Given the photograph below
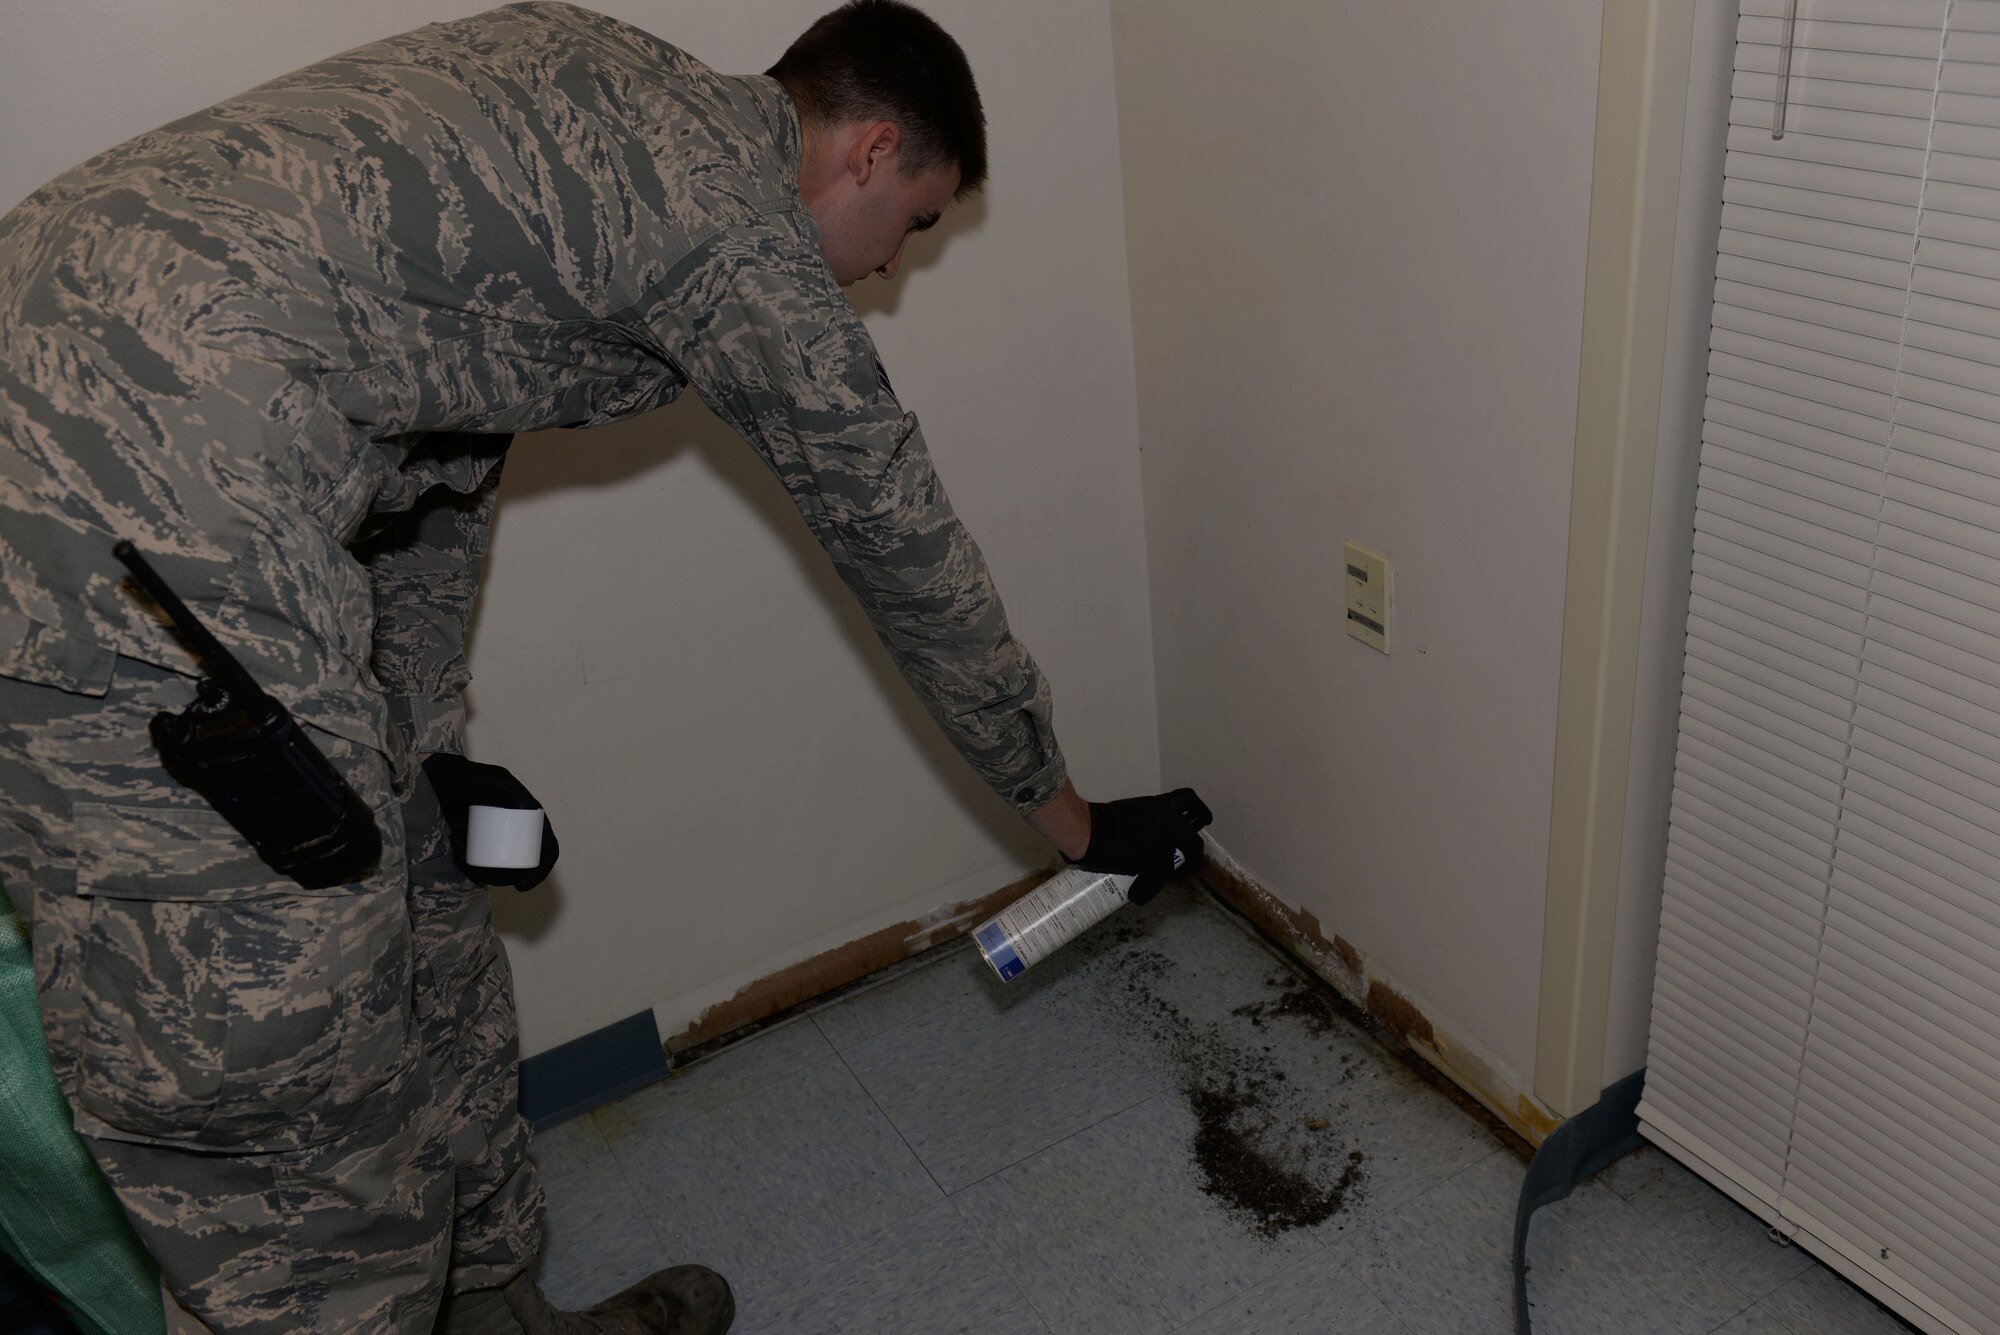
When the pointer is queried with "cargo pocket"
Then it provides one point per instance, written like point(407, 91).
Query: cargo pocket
point(44, 656)
point(220, 1002)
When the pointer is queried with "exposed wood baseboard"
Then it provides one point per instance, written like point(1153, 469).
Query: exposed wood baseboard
point(775, 995)
point(1333, 959)
point(1340, 964)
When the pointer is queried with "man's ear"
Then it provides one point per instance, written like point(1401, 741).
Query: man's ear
point(874, 147)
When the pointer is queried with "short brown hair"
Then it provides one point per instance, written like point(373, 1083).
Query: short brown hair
point(885, 60)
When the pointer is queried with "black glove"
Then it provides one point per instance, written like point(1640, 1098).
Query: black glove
point(460, 784)
point(1138, 837)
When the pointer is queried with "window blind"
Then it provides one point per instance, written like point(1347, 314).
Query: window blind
point(1826, 1022)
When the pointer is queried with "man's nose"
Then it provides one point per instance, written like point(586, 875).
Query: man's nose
point(889, 270)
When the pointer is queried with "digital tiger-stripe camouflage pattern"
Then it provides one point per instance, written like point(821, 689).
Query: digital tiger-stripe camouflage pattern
point(281, 345)
point(233, 339)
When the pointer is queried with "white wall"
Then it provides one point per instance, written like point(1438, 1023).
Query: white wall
point(1357, 244)
point(739, 778)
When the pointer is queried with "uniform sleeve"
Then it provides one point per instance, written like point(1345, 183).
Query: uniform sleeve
point(762, 332)
point(425, 566)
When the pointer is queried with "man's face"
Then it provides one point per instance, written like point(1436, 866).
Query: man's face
point(863, 227)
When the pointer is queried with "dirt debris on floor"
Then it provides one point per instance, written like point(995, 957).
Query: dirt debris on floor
point(1270, 1151)
point(1296, 1000)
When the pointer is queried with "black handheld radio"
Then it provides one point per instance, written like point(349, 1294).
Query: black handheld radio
point(247, 755)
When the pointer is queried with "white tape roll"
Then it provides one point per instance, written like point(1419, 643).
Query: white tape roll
point(503, 836)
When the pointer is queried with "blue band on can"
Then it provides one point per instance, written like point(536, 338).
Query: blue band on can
point(999, 951)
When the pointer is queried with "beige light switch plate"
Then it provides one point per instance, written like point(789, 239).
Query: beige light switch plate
point(1368, 597)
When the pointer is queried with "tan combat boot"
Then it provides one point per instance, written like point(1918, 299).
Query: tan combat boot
point(685, 1300)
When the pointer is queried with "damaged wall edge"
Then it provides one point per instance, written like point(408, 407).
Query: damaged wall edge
point(1342, 966)
point(616, 1059)
point(1332, 958)
point(757, 1004)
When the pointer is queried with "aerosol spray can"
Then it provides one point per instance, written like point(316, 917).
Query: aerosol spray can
point(1059, 910)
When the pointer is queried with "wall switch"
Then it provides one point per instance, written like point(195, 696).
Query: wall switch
point(1368, 597)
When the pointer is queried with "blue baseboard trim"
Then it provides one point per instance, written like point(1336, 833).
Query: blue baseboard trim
point(577, 1076)
point(1573, 1153)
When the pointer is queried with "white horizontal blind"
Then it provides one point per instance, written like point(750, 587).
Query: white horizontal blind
point(1826, 1028)
point(1897, 1148)
point(1818, 234)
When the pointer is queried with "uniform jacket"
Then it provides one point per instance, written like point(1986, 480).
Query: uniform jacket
point(250, 339)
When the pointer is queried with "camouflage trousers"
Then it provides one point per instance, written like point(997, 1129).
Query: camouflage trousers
point(304, 1099)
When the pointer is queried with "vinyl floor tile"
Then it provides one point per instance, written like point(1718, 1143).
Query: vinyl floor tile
point(1172, 996)
point(1193, 997)
point(1441, 1262)
point(1629, 1176)
point(774, 1178)
point(599, 1240)
point(1820, 1302)
point(568, 1147)
point(976, 1085)
point(1317, 1089)
point(1754, 1321)
point(1321, 1295)
point(1601, 1264)
point(733, 1071)
point(1110, 1230)
point(1063, 1114)
point(928, 1273)
point(1411, 1138)
point(1185, 981)
point(1715, 1230)
point(856, 1019)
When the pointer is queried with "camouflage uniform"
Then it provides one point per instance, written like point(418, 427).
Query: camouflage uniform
point(280, 344)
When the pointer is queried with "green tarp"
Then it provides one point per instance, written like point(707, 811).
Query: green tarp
point(58, 1218)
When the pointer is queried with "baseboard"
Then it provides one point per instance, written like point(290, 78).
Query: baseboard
point(619, 1058)
point(777, 994)
point(1298, 933)
point(574, 1077)
point(1346, 969)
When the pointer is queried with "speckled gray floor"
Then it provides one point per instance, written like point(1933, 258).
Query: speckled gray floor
point(942, 1153)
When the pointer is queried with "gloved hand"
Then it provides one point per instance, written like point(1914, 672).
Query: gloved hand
point(1138, 837)
point(461, 784)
